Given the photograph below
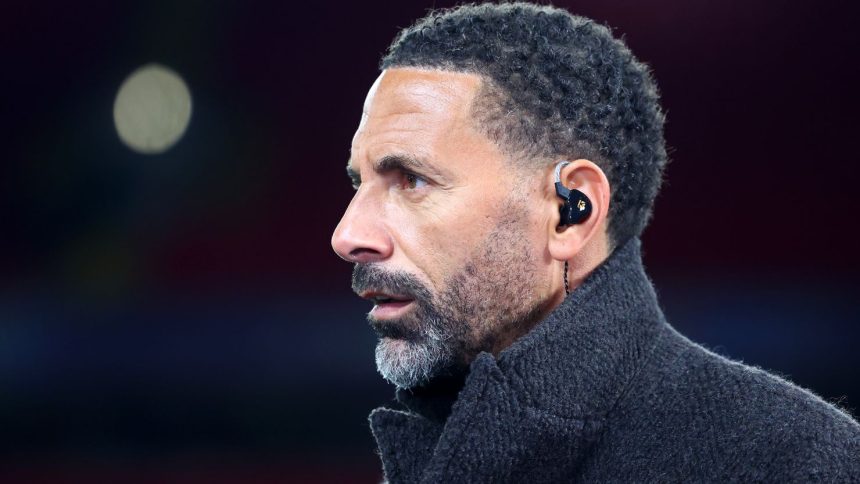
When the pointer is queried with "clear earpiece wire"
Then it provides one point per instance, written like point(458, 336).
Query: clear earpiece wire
point(557, 175)
point(558, 167)
point(566, 286)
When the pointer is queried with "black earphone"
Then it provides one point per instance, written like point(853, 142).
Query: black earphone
point(577, 206)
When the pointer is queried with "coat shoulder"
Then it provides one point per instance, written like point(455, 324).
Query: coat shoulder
point(698, 412)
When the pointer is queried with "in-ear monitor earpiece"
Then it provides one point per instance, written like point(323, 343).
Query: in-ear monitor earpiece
point(576, 206)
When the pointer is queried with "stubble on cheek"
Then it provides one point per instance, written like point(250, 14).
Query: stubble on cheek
point(498, 291)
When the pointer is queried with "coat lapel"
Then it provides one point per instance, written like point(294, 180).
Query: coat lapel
point(406, 443)
point(490, 436)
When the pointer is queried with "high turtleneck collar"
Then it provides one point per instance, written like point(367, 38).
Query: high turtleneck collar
point(574, 365)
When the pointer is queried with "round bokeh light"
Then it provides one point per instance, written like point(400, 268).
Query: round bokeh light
point(152, 109)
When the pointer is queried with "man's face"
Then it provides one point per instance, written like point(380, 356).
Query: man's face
point(440, 229)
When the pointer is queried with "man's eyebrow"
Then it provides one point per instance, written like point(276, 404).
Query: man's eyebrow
point(395, 162)
point(401, 162)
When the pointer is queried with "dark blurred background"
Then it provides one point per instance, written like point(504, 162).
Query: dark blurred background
point(182, 317)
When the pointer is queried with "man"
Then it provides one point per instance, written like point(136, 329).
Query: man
point(505, 164)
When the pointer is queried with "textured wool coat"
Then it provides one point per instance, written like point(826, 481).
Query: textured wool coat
point(605, 390)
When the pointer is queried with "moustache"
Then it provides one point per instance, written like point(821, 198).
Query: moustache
point(372, 277)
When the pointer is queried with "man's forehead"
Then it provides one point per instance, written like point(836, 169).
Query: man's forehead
point(421, 90)
point(410, 106)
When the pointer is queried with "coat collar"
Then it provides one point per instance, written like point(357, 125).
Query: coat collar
point(552, 387)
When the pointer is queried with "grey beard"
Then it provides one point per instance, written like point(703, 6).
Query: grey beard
point(421, 345)
point(410, 363)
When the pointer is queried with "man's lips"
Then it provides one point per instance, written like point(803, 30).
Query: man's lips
point(387, 306)
point(390, 310)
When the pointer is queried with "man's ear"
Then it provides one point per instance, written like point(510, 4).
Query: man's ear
point(567, 242)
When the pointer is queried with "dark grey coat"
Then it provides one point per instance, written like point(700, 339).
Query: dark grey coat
point(605, 390)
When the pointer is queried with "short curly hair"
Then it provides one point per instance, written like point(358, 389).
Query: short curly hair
point(555, 86)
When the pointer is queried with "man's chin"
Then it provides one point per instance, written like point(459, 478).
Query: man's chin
point(409, 363)
point(395, 347)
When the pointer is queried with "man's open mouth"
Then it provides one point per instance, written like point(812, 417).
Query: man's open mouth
point(388, 306)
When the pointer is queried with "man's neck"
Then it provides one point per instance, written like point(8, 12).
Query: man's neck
point(435, 399)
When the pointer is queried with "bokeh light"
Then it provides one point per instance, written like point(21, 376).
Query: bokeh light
point(152, 109)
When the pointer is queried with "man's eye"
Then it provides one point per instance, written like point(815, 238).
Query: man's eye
point(414, 181)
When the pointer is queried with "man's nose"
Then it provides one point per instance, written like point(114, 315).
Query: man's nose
point(360, 236)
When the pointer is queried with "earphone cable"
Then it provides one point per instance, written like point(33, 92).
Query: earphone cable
point(566, 286)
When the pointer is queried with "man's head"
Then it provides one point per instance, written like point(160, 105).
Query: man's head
point(454, 228)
